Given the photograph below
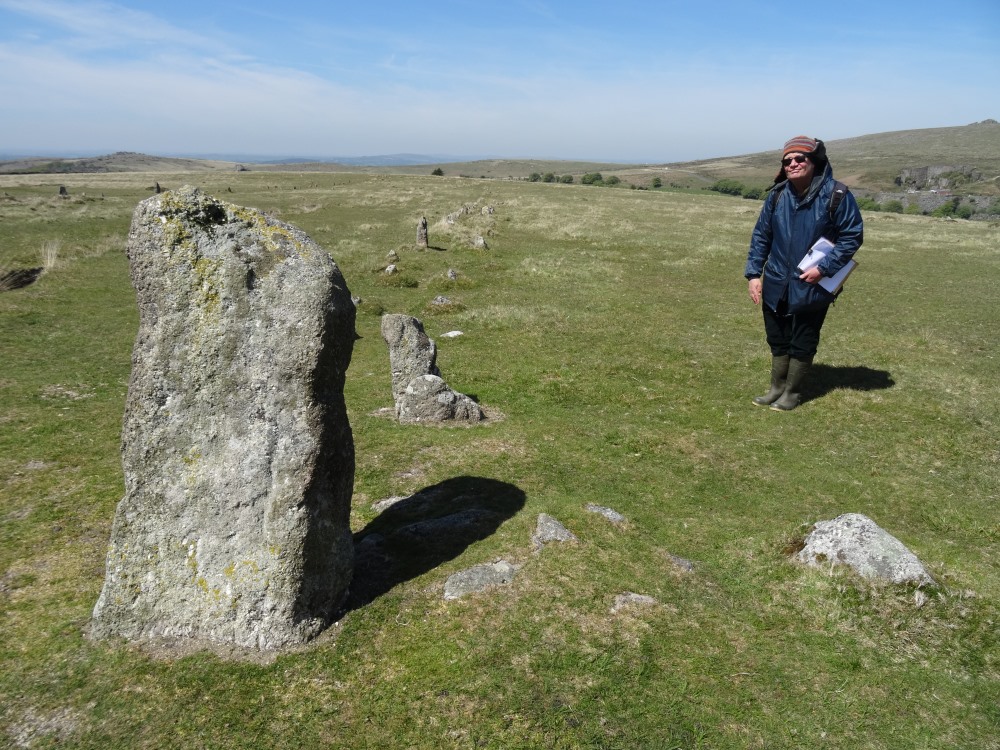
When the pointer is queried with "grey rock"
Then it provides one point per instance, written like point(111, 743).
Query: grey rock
point(441, 300)
point(479, 578)
point(419, 392)
point(383, 505)
point(452, 274)
point(858, 542)
point(429, 399)
point(391, 269)
point(612, 515)
point(412, 352)
point(683, 565)
point(236, 447)
point(479, 242)
point(631, 599)
point(548, 529)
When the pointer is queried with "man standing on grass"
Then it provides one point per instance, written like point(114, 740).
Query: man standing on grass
point(804, 204)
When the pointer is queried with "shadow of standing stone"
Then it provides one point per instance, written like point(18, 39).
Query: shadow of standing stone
point(417, 534)
point(236, 447)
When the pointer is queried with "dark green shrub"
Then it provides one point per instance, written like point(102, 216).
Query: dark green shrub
point(438, 172)
point(566, 179)
point(964, 211)
point(893, 207)
point(728, 187)
point(753, 193)
point(657, 183)
point(913, 208)
point(548, 177)
point(613, 180)
point(592, 178)
point(946, 209)
point(535, 177)
point(867, 204)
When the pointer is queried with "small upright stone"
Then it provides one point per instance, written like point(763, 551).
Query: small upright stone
point(237, 451)
point(412, 353)
point(419, 392)
point(422, 233)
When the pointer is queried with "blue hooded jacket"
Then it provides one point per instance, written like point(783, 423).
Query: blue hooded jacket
point(787, 227)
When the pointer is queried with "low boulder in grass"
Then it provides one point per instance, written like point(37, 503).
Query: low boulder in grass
point(858, 542)
point(479, 578)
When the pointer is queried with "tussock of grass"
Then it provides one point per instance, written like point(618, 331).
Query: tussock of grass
point(608, 335)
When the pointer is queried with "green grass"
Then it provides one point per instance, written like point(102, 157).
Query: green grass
point(610, 333)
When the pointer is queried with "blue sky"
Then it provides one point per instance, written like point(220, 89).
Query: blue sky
point(622, 81)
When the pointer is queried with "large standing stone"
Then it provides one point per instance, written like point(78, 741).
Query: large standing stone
point(237, 451)
point(858, 542)
point(419, 392)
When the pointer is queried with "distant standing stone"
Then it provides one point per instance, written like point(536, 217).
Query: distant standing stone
point(236, 447)
point(422, 232)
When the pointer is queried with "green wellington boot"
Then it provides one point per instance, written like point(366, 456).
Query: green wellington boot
point(779, 371)
point(797, 369)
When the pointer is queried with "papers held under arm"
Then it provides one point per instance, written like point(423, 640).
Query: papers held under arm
point(816, 253)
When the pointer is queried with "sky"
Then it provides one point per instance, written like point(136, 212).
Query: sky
point(644, 81)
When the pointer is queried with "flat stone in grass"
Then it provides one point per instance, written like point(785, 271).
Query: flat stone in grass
point(479, 578)
point(858, 542)
point(548, 529)
point(609, 513)
point(631, 599)
point(236, 447)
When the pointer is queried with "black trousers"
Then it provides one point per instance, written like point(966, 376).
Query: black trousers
point(796, 335)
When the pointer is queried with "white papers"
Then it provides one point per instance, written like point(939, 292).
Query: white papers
point(816, 253)
point(833, 283)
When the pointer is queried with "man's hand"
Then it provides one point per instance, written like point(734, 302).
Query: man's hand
point(811, 276)
point(755, 287)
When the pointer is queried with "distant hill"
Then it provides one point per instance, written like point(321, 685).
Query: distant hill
point(868, 162)
point(873, 162)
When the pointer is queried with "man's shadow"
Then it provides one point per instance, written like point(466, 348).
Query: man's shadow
point(825, 378)
point(423, 531)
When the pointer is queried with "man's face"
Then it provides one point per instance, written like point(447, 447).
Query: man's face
point(797, 167)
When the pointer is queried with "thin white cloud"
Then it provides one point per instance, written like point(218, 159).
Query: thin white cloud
point(106, 77)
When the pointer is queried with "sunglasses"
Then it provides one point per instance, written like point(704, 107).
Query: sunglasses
point(797, 159)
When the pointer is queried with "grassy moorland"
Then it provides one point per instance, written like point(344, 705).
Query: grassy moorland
point(609, 333)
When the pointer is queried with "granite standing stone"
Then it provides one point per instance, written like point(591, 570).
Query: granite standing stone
point(418, 390)
point(237, 451)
